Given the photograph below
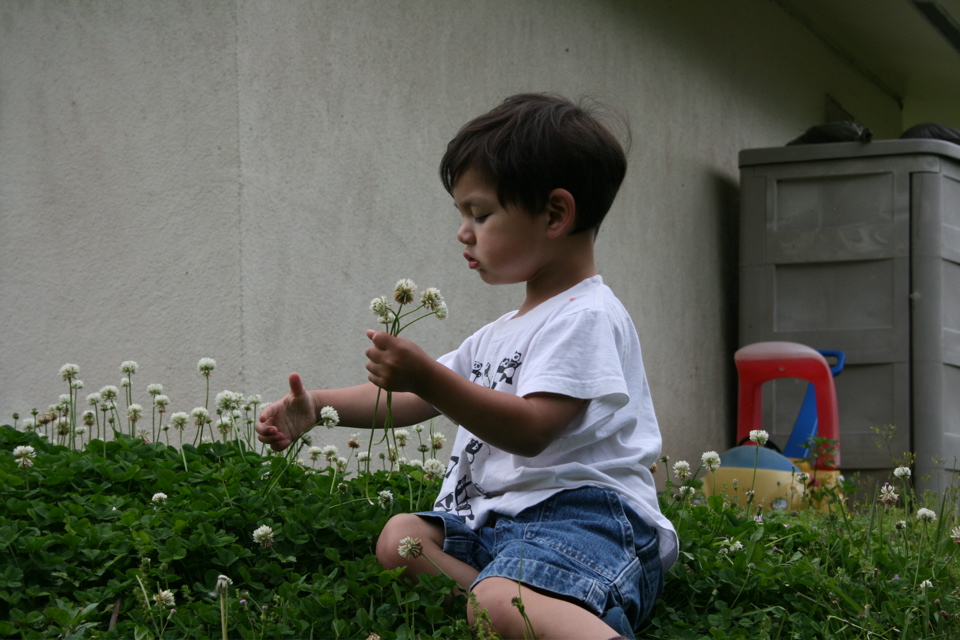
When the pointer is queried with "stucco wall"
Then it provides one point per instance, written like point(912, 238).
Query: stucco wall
point(236, 179)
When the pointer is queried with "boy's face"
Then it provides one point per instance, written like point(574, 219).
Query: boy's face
point(504, 245)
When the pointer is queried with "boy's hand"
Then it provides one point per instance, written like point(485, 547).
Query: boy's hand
point(285, 420)
point(395, 364)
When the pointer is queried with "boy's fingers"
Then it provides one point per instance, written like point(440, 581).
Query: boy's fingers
point(296, 385)
point(380, 339)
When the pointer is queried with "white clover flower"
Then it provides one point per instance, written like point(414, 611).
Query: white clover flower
point(76, 384)
point(255, 399)
point(206, 366)
point(341, 464)
point(134, 411)
point(315, 452)
point(802, 478)
point(902, 472)
point(329, 452)
point(403, 291)
point(29, 424)
point(887, 494)
point(179, 420)
point(164, 598)
point(81, 429)
point(228, 400)
point(955, 534)
point(431, 299)
point(926, 515)
point(159, 498)
point(711, 460)
point(441, 311)
point(63, 426)
point(224, 425)
point(65, 401)
point(109, 393)
point(730, 546)
point(413, 464)
point(401, 435)
point(410, 547)
point(418, 428)
point(24, 455)
point(380, 307)
point(433, 467)
point(682, 469)
point(687, 491)
point(69, 372)
point(129, 367)
point(161, 401)
point(24, 451)
point(94, 399)
point(263, 536)
point(363, 456)
point(900, 525)
point(926, 584)
point(154, 389)
point(354, 441)
point(437, 440)
point(385, 498)
point(223, 585)
point(200, 415)
point(125, 383)
point(759, 436)
point(144, 434)
point(329, 417)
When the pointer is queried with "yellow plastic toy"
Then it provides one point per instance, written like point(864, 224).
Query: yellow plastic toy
point(782, 480)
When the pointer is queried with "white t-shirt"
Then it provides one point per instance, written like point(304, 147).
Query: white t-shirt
point(582, 344)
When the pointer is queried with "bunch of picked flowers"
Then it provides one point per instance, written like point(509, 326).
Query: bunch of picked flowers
point(395, 321)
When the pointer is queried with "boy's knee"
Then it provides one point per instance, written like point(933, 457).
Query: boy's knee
point(494, 599)
point(398, 527)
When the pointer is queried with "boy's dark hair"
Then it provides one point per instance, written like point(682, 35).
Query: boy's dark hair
point(534, 143)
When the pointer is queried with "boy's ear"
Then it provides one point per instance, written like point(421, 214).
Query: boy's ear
point(562, 212)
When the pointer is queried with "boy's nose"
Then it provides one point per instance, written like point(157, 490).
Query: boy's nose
point(464, 234)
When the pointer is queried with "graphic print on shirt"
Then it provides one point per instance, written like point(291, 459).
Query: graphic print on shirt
point(458, 500)
point(505, 371)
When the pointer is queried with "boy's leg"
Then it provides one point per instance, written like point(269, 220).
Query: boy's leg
point(550, 617)
point(431, 536)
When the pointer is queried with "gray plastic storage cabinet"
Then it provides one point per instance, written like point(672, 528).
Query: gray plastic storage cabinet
point(856, 247)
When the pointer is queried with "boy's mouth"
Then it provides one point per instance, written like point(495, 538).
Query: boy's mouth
point(473, 264)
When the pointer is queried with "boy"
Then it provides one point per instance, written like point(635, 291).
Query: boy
point(548, 494)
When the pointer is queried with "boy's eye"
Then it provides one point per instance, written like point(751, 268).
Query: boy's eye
point(481, 218)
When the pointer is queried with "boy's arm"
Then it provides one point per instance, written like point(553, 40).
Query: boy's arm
point(285, 420)
point(522, 425)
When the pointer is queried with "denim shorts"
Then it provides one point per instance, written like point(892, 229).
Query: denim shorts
point(582, 545)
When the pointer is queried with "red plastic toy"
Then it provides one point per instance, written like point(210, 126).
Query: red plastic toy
point(764, 361)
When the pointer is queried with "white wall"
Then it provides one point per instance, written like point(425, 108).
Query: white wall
point(236, 179)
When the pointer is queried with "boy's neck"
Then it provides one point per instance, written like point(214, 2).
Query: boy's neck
point(573, 263)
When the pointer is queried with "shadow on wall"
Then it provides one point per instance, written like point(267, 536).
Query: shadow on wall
point(726, 193)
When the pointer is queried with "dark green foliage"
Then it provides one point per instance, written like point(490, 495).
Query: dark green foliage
point(85, 549)
point(82, 541)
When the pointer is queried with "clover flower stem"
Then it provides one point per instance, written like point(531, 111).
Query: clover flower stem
point(753, 483)
point(333, 479)
point(153, 423)
point(183, 456)
point(916, 574)
point(276, 478)
point(223, 614)
point(73, 416)
point(131, 423)
point(146, 600)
